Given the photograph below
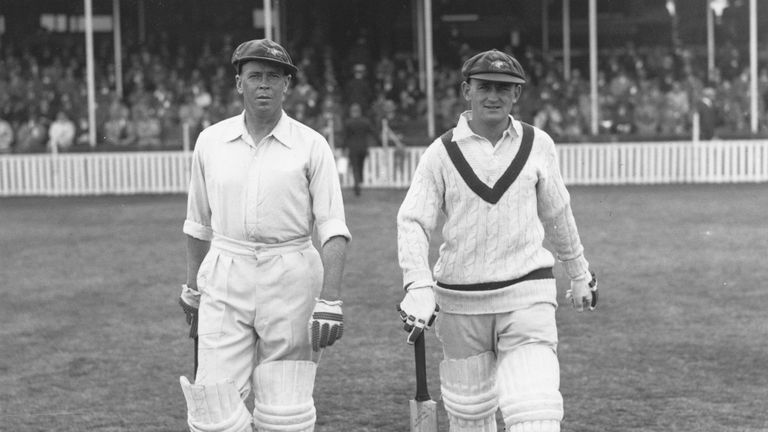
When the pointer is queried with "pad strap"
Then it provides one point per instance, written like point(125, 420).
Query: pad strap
point(468, 388)
point(283, 396)
point(215, 407)
point(529, 381)
point(532, 407)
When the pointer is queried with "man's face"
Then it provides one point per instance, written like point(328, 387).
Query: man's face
point(490, 101)
point(263, 86)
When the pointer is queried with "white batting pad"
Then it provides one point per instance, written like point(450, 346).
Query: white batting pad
point(469, 393)
point(283, 396)
point(215, 407)
point(529, 386)
point(536, 426)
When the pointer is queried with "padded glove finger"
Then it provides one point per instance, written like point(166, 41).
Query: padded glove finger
point(418, 311)
point(414, 326)
point(326, 324)
point(593, 288)
point(189, 300)
point(434, 316)
point(583, 292)
point(416, 330)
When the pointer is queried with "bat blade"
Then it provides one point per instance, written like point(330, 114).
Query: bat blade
point(423, 416)
point(423, 408)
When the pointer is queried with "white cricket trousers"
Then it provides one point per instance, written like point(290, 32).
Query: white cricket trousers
point(256, 302)
point(464, 336)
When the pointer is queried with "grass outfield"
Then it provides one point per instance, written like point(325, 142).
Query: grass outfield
point(91, 337)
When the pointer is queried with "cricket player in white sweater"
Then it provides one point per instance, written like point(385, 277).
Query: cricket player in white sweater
point(498, 183)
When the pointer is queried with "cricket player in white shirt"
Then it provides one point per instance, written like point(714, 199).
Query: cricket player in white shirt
point(260, 297)
point(498, 184)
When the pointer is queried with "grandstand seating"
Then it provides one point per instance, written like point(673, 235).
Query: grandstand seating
point(646, 94)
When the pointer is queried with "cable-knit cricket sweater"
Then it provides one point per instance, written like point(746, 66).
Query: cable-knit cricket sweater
point(484, 242)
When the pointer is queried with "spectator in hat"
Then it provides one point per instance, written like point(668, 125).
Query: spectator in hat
point(32, 135)
point(260, 298)
point(148, 129)
point(61, 133)
point(647, 112)
point(119, 130)
point(498, 185)
point(708, 116)
point(450, 106)
point(359, 134)
point(358, 89)
point(6, 136)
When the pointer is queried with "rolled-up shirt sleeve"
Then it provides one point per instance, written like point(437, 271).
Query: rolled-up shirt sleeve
point(198, 221)
point(325, 190)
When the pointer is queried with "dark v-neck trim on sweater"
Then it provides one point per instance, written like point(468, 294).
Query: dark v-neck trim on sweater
point(494, 194)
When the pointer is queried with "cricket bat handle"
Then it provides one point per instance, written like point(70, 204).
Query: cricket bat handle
point(422, 391)
point(194, 371)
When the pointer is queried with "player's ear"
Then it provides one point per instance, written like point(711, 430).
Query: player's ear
point(239, 84)
point(465, 89)
point(518, 91)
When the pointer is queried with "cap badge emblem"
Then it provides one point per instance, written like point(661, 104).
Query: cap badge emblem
point(273, 52)
point(498, 65)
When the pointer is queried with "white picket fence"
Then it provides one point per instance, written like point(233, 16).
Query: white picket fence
point(94, 173)
point(581, 164)
point(663, 163)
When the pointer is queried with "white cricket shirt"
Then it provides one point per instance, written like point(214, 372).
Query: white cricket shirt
point(270, 192)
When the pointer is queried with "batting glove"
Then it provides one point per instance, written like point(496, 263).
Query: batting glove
point(583, 292)
point(418, 310)
point(327, 323)
point(189, 300)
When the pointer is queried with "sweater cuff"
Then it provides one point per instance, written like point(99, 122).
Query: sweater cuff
point(577, 267)
point(416, 277)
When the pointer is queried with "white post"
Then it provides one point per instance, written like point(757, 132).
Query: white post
point(90, 73)
point(118, 47)
point(593, 63)
point(753, 64)
point(696, 127)
point(331, 134)
point(56, 165)
point(545, 26)
point(142, 22)
point(277, 32)
point(268, 19)
point(567, 39)
point(429, 66)
point(384, 133)
point(710, 40)
point(185, 138)
point(420, 25)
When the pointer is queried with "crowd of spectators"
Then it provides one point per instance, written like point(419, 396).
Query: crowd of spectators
point(644, 93)
point(648, 93)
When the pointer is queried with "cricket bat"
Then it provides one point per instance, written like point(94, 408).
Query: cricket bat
point(423, 408)
point(194, 372)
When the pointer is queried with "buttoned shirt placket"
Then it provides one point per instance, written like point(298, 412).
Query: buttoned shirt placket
point(251, 200)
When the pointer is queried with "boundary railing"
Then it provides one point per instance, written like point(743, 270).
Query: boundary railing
point(663, 163)
point(156, 172)
point(94, 173)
